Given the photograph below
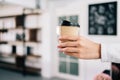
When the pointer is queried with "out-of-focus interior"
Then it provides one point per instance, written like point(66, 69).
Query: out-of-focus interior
point(29, 31)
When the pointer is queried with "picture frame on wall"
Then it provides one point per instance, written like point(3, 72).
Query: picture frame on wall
point(102, 18)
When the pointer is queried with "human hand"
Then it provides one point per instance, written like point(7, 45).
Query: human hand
point(79, 47)
point(102, 76)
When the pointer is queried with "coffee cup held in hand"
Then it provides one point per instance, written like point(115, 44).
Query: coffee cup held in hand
point(69, 29)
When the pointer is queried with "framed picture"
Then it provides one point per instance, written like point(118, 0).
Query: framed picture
point(103, 19)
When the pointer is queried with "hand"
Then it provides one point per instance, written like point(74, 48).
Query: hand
point(102, 76)
point(79, 47)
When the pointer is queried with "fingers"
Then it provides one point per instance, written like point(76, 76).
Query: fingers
point(68, 44)
point(103, 77)
point(69, 38)
point(69, 50)
point(72, 54)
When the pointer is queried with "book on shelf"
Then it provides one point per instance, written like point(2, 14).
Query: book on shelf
point(29, 50)
point(13, 49)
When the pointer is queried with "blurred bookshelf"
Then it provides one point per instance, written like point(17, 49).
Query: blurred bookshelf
point(19, 33)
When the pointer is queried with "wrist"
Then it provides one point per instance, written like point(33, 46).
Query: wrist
point(99, 50)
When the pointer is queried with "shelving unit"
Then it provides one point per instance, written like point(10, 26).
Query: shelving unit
point(16, 32)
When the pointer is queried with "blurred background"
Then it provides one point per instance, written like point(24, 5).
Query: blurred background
point(29, 31)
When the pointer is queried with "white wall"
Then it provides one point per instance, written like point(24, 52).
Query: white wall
point(88, 68)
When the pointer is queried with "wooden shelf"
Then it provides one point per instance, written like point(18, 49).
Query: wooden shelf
point(4, 55)
point(35, 56)
point(14, 55)
point(29, 28)
point(29, 56)
point(7, 55)
point(3, 42)
point(7, 29)
point(27, 13)
point(15, 24)
point(3, 30)
point(12, 66)
point(10, 16)
point(33, 42)
point(32, 13)
point(21, 42)
point(19, 28)
point(16, 42)
point(26, 43)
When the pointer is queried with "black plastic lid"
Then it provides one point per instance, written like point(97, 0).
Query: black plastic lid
point(67, 23)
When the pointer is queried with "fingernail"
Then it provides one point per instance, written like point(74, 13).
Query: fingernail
point(58, 46)
point(60, 37)
point(61, 50)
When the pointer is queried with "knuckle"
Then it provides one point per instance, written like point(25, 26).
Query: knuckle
point(78, 38)
point(67, 43)
point(80, 43)
point(67, 49)
point(80, 51)
point(77, 43)
point(67, 37)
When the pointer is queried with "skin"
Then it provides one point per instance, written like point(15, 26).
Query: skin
point(83, 48)
point(102, 76)
point(79, 47)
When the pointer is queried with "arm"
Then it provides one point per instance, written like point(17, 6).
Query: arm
point(79, 47)
point(110, 52)
point(84, 48)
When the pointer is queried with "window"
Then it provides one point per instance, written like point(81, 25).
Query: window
point(68, 64)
